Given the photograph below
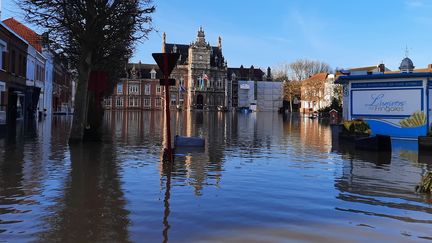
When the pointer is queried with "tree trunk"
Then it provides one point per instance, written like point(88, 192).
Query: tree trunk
point(80, 107)
point(291, 106)
point(94, 117)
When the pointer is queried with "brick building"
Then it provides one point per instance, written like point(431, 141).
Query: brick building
point(203, 80)
point(13, 70)
point(35, 75)
point(62, 88)
point(139, 90)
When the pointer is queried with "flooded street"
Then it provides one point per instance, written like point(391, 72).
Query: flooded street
point(261, 177)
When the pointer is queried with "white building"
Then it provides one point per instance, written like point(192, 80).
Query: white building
point(46, 108)
point(317, 92)
point(266, 95)
point(36, 73)
point(269, 96)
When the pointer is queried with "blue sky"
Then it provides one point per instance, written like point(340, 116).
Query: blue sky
point(266, 33)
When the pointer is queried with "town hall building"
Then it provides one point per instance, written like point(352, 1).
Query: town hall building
point(201, 76)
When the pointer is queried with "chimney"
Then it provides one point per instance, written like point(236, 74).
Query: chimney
point(163, 42)
point(381, 68)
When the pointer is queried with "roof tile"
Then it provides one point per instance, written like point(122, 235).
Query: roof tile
point(25, 32)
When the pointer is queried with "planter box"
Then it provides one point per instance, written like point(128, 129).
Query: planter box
point(425, 144)
point(375, 143)
point(349, 137)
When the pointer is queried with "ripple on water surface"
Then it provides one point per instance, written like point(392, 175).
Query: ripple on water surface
point(261, 177)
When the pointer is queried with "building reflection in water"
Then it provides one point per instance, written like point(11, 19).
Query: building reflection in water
point(378, 181)
point(119, 190)
point(26, 171)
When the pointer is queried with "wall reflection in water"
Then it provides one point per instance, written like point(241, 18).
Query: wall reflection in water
point(382, 183)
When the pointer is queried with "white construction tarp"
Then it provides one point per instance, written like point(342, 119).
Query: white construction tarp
point(269, 95)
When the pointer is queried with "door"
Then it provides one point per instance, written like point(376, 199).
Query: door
point(200, 101)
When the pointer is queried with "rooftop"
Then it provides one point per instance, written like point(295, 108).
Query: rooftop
point(26, 33)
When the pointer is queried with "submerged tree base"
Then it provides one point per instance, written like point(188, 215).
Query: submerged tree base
point(425, 185)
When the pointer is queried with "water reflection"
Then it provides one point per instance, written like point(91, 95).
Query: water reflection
point(382, 185)
point(92, 205)
point(261, 176)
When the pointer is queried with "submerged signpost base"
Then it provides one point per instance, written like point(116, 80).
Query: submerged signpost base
point(167, 62)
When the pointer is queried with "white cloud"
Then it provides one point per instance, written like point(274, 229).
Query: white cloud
point(415, 3)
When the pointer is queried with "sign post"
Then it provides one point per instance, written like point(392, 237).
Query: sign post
point(166, 63)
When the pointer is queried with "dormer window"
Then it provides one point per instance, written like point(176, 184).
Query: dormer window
point(153, 74)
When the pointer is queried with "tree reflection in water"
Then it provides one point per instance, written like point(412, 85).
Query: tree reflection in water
point(92, 207)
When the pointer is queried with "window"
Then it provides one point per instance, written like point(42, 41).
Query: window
point(181, 81)
point(22, 64)
point(147, 89)
point(158, 89)
point(147, 102)
point(158, 102)
point(41, 73)
point(120, 88)
point(2, 102)
point(119, 102)
point(173, 100)
point(107, 102)
point(133, 102)
point(153, 74)
point(133, 89)
point(12, 61)
point(3, 55)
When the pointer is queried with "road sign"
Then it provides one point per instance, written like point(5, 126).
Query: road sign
point(171, 81)
point(166, 61)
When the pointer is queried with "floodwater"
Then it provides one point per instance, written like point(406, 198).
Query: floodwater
point(261, 177)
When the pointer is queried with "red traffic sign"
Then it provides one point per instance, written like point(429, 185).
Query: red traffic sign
point(166, 61)
point(171, 81)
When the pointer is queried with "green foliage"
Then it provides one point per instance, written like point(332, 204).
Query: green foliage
point(357, 126)
point(335, 104)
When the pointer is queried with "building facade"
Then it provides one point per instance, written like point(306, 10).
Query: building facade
point(201, 73)
point(49, 84)
point(243, 74)
point(317, 92)
point(62, 88)
point(139, 90)
point(13, 68)
point(393, 103)
point(35, 75)
point(203, 80)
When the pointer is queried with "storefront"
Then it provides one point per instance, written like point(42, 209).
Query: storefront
point(396, 104)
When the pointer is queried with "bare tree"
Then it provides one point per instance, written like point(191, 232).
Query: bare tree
point(91, 35)
point(291, 91)
point(301, 69)
point(313, 89)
